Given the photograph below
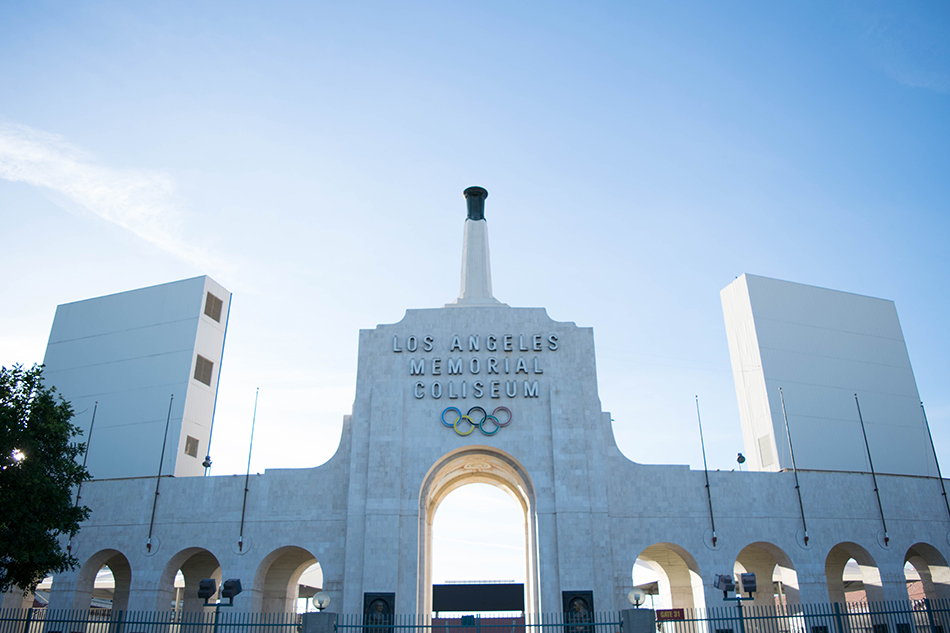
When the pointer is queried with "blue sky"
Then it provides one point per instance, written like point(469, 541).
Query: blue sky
point(639, 156)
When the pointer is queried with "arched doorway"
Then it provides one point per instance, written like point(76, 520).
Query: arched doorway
point(476, 464)
point(679, 583)
point(195, 564)
point(478, 535)
point(932, 569)
point(86, 584)
point(478, 555)
point(776, 579)
point(276, 580)
point(868, 589)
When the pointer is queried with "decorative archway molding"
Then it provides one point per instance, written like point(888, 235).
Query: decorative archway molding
point(276, 578)
point(196, 564)
point(761, 558)
point(932, 568)
point(117, 562)
point(835, 563)
point(680, 582)
point(468, 465)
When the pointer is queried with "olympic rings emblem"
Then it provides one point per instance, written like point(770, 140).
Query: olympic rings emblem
point(459, 421)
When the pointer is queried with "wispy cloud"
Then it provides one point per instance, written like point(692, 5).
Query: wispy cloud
point(139, 200)
point(911, 48)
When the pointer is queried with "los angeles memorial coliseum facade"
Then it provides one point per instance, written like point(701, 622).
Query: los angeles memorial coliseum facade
point(477, 391)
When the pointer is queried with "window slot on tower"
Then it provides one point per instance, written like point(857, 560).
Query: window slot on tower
point(203, 370)
point(191, 446)
point(213, 307)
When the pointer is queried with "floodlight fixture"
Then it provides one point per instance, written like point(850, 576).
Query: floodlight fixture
point(725, 583)
point(207, 588)
point(748, 583)
point(231, 588)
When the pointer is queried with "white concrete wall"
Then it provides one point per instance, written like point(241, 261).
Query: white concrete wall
point(130, 352)
point(822, 347)
point(595, 511)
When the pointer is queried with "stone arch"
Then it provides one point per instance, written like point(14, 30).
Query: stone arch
point(196, 564)
point(680, 584)
point(835, 563)
point(467, 465)
point(86, 579)
point(932, 568)
point(275, 581)
point(768, 561)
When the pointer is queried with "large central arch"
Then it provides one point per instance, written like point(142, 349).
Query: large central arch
point(476, 464)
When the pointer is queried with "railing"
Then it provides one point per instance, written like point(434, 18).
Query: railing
point(607, 622)
point(922, 616)
point(112, 621)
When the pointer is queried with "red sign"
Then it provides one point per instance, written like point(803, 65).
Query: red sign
point(665, 615)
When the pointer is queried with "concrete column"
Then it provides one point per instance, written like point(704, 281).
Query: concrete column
point(812, 583)
point(16, 599)
point(638, 620)
point(143, 592)
point(548, 564)
point(321, 622)
point(63, 591)
point(894, 583)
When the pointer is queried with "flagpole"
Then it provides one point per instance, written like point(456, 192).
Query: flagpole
point(702, 442)
point(798, 488)
point(158, 480)
point(873, 475)
point(247, 475)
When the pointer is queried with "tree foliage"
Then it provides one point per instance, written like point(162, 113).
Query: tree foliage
point(36, 494)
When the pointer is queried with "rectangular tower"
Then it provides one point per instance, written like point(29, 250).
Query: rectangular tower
point(822, 347)
point(131, 352)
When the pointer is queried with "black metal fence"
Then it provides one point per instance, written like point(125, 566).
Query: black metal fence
point(111, 621)
point(600, 622)
point(924, 616)
point(921, 616)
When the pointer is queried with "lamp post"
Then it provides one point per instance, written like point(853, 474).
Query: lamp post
point(636, 597)
point(208, 587)
point(321, 600)
point(726, 583)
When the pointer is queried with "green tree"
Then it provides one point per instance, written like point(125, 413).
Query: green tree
point(38, 457)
